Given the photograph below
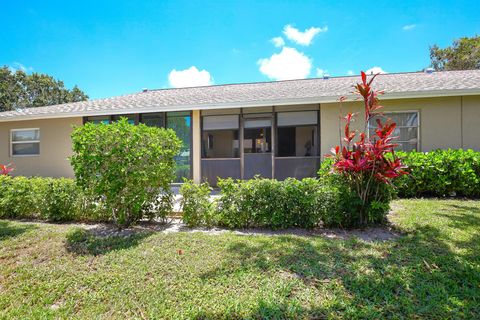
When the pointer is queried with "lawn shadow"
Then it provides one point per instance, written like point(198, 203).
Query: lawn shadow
point(98, 241)
point(461, 216)
point(10, 230)
point(417, 275)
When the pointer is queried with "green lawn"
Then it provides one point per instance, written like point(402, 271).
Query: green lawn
point(433, 271)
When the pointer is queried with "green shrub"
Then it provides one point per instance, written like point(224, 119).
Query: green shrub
point(61, 200)
point(274, 204)
point(160, 207)
point(440, 173)
point(21, 197)
point(345, 212)
point(229, 210)
point(48, 199)
point(124, 166)
point(197, 209)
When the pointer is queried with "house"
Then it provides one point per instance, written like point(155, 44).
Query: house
point(275, 129)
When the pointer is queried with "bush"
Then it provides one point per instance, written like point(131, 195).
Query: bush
point(440, 173)
point(127, 167)
point(47, 199)
point(348, 205)
point(197, 209)
point(61, 200)
point(273, 204)
point(21, 197)
point(368, 165)
point(160, 207)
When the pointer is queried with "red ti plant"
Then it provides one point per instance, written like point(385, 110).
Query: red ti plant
point(368, 163)
point(5, 169)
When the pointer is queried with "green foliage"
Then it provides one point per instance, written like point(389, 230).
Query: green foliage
point(197, 209)
point(21, 197)
point(47, 199)
point(160, 207)
point(124, 166)
point(21, 90)
point(273, 204)
point(349, 204)
point(464, 54)
point(347, 211)
point(440, 173)
point(268, 203)
point(61, 200)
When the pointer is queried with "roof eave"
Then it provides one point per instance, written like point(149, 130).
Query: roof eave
point(249, 104)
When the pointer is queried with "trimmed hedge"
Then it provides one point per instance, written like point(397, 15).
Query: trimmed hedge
point(197, 208)
point(273, 204)
point(268, 203)
point(47, 199)
point(440, 173)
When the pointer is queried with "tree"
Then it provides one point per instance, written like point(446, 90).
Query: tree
point(464, 54)
point(21, 90)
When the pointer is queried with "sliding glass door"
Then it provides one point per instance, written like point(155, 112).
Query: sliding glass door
point(180, 122)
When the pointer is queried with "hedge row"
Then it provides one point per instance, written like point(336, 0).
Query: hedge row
point(274, 204)
point(47, 199)
point(441, 173)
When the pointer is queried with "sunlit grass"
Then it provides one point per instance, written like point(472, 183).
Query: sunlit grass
point(432, 271)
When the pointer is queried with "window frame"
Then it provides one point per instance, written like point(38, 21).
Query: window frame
point(202, 130)
point(317, 134)
point(24, 142)
point(418, 126)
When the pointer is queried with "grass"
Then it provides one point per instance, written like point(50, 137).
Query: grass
point(433, 271)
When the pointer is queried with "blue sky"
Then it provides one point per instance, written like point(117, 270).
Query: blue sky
point(117, 47)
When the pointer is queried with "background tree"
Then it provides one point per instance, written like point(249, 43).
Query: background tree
point(463, 54)
point(21, 90)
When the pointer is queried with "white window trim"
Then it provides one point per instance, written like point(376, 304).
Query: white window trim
point(418, 126)
point(25, 141)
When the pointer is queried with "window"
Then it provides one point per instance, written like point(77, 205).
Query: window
point(407, 129)
point(25, 142)
point(98, 119)
point(108, 119)
point(130, 117)
point(220, 137)
point(153, 119)
point(297, 134)
point(180, 122)
point(257, 136)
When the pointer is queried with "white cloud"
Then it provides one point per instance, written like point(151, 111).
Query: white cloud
point(409, 27)
point(190, 77)
point(288, 64)
point(303, 38)
point(278, 42)
point(375, 70)
point(320, 72)
point(18, 66)
point(350, 72)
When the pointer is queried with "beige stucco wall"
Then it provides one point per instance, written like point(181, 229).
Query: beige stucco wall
point(471, 122)
point(55, 147)
point(445, 122)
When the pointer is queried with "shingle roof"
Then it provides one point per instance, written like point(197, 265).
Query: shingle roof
point(415, 84)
